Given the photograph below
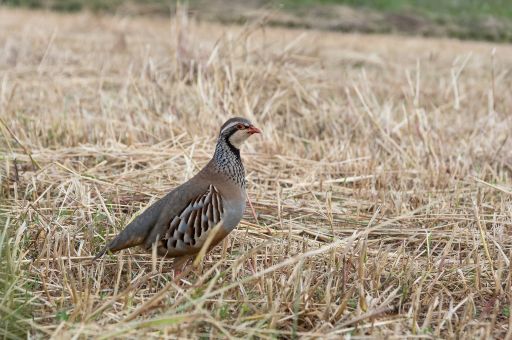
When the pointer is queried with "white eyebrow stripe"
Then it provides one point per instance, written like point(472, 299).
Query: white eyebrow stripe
point(229, 126)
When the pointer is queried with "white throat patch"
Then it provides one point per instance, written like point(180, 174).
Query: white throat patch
point(238, 138)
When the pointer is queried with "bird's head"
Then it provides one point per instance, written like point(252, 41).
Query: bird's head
point(236, 130)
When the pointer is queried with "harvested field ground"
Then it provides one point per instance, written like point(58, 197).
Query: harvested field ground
point(383, 173)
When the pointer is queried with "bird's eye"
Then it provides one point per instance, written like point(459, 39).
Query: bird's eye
point(240, 126)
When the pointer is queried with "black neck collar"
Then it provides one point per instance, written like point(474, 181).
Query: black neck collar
point(225, 149)
point(234, 150)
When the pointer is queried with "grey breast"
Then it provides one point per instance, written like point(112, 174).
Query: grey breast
point(233, 211)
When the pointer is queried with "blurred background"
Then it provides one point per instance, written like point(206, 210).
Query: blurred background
point(389, 116)
point(464, 19)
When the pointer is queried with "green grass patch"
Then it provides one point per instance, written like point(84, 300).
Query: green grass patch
point(463, 19)
point(453, 8)
point(14, 309)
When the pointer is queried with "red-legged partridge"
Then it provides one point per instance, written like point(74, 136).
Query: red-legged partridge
point(180, 222)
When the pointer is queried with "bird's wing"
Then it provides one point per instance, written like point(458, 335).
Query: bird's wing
point(155, 222)
point(144, 228)
point(188, 230)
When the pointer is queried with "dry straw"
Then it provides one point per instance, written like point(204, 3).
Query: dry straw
point(383, 173)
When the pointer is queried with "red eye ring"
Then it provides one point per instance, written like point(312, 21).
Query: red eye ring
point(240, 126)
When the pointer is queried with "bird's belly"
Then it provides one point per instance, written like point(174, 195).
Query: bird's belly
point(233, 212)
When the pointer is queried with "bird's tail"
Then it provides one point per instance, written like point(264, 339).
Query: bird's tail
point(137, 231)
point(102, 252)
point(129, 237)
point(133, 235)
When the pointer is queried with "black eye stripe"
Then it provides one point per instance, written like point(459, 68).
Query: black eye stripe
point(232, 123)
point(231, 132)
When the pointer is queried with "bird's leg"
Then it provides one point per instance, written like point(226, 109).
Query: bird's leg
point(252, 209)
point(252, 267)
point(179, 264)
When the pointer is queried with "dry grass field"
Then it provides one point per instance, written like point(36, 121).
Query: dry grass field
point(382, 180)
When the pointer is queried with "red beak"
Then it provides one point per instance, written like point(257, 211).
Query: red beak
point(253, 129)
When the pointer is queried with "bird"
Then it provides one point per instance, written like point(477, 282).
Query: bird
point(205, 209)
